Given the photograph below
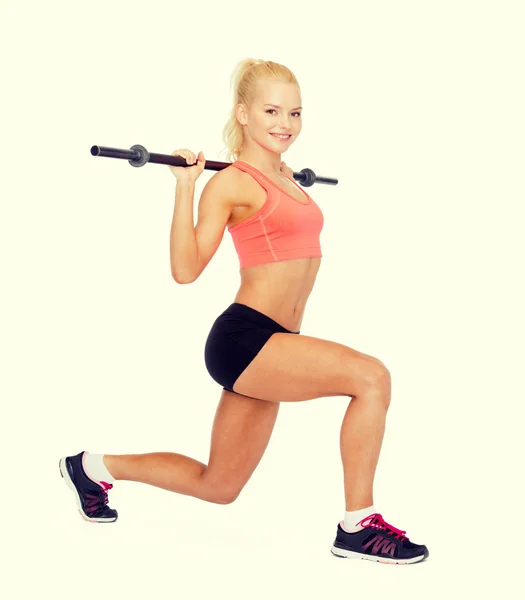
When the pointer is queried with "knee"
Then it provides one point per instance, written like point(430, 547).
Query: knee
point(225, 497)
point(219, 488)
point(377, 377)
point(228, 499)
point(221, 494)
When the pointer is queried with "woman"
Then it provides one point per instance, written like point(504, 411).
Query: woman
point(254, 349)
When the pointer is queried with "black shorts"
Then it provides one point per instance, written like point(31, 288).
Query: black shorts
point(235, 339)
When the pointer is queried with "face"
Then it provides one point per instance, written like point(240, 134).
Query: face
point(261, 119)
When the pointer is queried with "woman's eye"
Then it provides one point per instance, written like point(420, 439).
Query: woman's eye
point(273, 110)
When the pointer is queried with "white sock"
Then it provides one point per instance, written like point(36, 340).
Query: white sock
point(96, 469)
point(353, 517)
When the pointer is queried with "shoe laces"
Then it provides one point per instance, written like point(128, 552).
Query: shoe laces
point(105, 487)
point(376, 521)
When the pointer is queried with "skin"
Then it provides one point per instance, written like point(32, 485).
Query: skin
point(289, 367)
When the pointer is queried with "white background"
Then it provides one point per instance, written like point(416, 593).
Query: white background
point(417, 108)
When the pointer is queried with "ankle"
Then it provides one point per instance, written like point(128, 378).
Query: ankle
point(355, 506)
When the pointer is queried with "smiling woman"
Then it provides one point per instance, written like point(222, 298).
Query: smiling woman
point(254, 348)
point(267, 96)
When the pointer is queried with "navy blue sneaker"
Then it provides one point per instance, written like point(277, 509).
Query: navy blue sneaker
point(379, 542)
point(91, 495)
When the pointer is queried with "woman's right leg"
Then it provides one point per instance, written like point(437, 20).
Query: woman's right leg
point(241, 431)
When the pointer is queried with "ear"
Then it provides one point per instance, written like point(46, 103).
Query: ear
point(240, 113)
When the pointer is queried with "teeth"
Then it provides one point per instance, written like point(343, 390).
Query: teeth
point(280, 136)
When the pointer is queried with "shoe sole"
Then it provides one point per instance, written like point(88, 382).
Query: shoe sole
point(69, 482)
point(341, 553)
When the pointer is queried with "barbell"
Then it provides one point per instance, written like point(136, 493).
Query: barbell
point(138, 156)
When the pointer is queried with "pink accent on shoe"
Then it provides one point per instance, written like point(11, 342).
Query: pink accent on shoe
point(86, 518)
point(377, 522)
point(381, 544)
point(342, 523)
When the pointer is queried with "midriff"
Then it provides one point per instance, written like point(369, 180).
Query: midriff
point(279, 290)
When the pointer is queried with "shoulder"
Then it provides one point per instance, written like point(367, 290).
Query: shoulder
point(225, 179)
point(224, 184)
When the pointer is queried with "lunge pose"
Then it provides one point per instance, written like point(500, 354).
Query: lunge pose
point(254, 349)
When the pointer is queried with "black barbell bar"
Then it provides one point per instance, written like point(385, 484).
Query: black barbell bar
point(138, 156)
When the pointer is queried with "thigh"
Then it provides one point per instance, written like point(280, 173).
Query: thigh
point(241, 431)
point(293, 368)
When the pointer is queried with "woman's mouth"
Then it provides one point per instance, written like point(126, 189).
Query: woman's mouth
point(284, 138)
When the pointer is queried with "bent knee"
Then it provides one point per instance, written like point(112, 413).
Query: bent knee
point(377, 377)
point(219, 493)
point(224, 497)
point(228, 499)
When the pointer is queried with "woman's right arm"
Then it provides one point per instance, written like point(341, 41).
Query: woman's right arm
point(192, 248)
point(183, 243)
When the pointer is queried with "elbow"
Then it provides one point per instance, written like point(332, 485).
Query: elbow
point(182, 279)
point(186, 276)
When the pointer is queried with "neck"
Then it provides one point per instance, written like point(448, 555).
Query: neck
point(265, 165)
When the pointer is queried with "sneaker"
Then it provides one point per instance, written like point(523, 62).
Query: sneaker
point(91, 495)
point(379, 542)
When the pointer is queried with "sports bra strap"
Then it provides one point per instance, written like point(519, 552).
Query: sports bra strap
point(255, 173)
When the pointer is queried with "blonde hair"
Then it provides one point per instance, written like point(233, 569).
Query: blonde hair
point(244, 79)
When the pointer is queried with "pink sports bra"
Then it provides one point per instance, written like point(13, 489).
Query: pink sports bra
point(284, 228)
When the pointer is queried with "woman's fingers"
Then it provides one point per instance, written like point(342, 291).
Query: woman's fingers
point(187, 154)
point(285, 169)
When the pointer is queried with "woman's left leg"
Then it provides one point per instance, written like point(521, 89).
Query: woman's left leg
point(241, 431)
